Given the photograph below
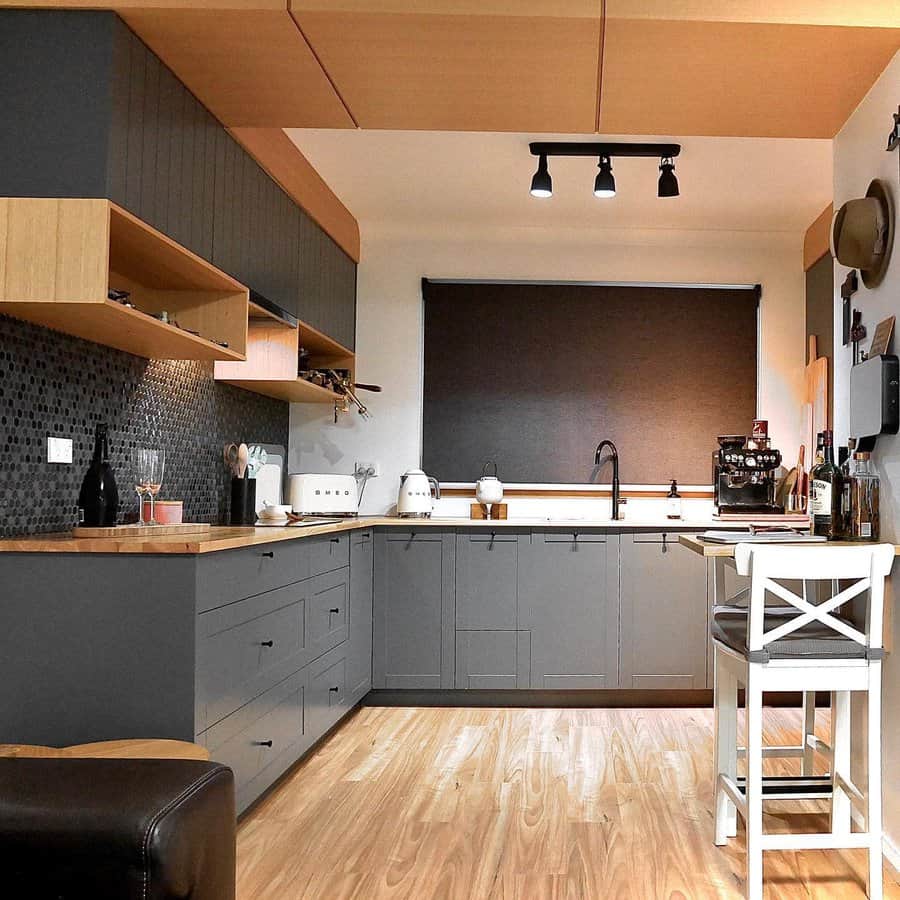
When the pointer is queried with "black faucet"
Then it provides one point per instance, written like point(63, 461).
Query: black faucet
point(615, 480)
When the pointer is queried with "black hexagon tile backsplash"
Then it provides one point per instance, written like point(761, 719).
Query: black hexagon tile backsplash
point(53, 384)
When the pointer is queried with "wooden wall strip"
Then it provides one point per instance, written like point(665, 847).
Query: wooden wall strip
point(816, 243)
point(281, 158)
point(560, 493)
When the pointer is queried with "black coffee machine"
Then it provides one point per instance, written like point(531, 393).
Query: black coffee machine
point(744, 475)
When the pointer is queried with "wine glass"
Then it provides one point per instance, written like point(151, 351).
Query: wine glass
point(140, 468)
point(149, 465)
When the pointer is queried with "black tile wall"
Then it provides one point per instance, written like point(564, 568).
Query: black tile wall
point(53, 384)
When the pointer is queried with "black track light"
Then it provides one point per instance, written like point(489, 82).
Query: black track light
point(605, 182)
point(541, 183)
point(668, 183)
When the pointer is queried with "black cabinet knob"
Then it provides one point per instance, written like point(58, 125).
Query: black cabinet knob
point(333, 690)
point(262, 743)
point(267, 643)
point(334, 610)
point(269, 554)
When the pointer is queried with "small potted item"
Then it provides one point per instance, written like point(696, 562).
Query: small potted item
point(489, 488)
point(167, 512)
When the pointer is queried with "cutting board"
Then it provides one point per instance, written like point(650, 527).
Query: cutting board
point(270, 478)
point(140, 531)
point(815, 408)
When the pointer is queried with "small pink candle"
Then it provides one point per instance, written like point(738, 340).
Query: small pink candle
point(168, 512)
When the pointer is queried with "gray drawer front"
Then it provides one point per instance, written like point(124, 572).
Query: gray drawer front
point(247, 647)
point(329, 553)
point(276, 716)
point(493, 660)
point(328, 615)
point(230, 575)
point(326, 693)
point(572, 536)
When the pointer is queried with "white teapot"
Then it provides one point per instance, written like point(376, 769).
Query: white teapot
point(489, 488)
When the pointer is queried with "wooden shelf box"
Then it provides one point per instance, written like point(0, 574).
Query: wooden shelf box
point(59, 258)
point(271, 366)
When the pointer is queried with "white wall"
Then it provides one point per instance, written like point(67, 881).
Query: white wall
point(389, 347)
point(859, 156)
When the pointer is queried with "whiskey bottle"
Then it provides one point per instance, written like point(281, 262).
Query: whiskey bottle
point(826, 485)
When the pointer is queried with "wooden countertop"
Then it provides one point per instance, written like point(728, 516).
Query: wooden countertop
point(230, 538)
point(709, 549)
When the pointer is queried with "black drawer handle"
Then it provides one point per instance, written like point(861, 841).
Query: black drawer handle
point(333, 690)
point(267, 643)
point(336, 540)
point(334, 610)
point(262, 743)
point(269, 554)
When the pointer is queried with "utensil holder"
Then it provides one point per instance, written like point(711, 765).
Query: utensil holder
point(243, 501)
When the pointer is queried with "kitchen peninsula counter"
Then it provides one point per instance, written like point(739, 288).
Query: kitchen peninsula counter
point(234, 537)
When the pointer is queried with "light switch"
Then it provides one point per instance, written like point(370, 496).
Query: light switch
point(59, 450)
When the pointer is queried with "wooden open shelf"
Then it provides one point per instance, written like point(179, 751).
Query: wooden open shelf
point(59, 258)
point(271, 366)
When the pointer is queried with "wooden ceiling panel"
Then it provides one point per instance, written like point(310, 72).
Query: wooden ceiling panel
point(737, 79)
point(249, 67)
point(460, 72)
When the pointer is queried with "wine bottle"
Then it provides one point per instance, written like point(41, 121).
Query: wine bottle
point(98, 501)
point(826, 489)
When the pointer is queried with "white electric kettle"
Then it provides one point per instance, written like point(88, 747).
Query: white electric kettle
point(418, 492)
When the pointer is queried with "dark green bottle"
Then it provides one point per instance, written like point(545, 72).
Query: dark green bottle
point(826, 488)
point(98, 500)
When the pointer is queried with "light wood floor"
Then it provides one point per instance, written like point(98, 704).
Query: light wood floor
point(490, 804)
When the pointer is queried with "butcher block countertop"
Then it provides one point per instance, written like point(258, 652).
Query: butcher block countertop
point(232, 537)
point(714, 550)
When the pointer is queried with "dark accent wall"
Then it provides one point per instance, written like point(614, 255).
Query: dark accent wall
point(534, 376)
point(53, 384)
point(820, 317)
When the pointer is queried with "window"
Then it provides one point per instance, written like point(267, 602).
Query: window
point(535, 375)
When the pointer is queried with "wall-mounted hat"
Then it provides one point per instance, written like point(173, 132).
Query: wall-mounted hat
point(862, 234)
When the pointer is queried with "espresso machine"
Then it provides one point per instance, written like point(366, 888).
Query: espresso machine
point(744, 475)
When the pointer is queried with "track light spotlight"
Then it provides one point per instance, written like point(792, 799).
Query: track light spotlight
point(604, 151)
point(605, 182)
point(668, 183)
point(541, 183)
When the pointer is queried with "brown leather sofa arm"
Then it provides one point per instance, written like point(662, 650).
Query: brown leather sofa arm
point(117, 829)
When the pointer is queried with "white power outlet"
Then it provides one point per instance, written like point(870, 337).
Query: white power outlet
point(372, 467)
point(59, 450)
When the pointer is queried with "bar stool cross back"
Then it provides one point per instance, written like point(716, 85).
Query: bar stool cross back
point(804, 646)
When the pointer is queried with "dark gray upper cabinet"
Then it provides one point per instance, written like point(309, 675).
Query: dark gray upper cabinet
point(569, 600)
point(327, 296)
point(92, 112)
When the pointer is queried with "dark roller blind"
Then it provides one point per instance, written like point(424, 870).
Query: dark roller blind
point(534, 376)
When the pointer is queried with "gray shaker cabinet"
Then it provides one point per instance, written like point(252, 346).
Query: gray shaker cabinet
point(486, 583)
point(664, 614)
point(569, 601)
point(493, 660)
point(359, 651)
point(413, 630)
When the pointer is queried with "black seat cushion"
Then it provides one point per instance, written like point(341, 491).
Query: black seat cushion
point(155, 829)
point(812, 641)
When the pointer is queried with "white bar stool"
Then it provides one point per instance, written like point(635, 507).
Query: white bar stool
point(801, 647)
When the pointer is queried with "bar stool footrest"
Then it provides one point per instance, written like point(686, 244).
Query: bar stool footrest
point(791, 787)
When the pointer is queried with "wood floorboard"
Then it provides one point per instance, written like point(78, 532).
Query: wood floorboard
point(525, 804)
